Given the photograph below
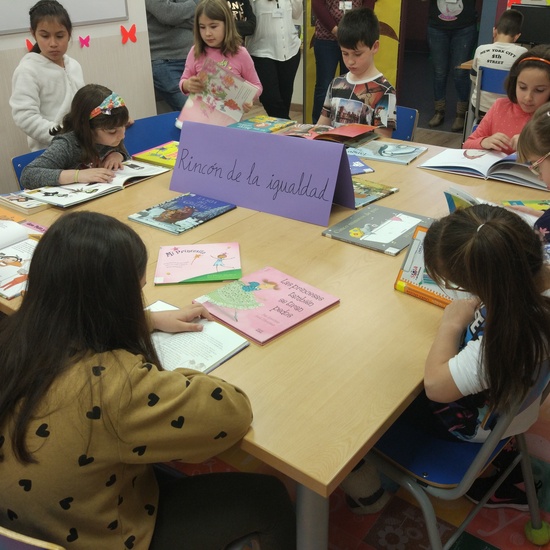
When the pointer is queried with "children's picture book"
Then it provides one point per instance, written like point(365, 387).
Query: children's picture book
point(540, 205)
point(21, 203)
point(6, 214)
point(223, 98)
point(348, 134)
point(263, 123)
point(198, 263)
point(76, 193)
point(202, 351)
point(398, 153)
point(16, 250)
point(379, 228)
point(480, 163)
point(358, 165)
point(412, 277)
point(366, 191)
point(182, 213)
point(161, 155)
point(266, 303)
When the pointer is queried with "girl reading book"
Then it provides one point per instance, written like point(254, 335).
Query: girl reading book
point(88, 146)
point(527, 88)
point(488, 351)
point(86, 410)
point(216, 38)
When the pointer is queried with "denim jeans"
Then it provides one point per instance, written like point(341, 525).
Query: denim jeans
point(327, 58)
point(448, 49)
point(166, 78)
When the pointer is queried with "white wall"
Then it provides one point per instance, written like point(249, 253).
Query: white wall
point(125, 68)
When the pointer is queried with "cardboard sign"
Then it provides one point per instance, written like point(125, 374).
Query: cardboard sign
point(287, 176)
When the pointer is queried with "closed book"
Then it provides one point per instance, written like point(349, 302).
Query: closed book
point(161, 155)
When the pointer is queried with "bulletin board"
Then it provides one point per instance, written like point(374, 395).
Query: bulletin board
point(15, 13)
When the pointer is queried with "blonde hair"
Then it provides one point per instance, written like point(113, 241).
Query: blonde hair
point(217, 10)
point(534, 139)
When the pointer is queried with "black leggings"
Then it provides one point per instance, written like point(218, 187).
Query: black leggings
point(209, 511)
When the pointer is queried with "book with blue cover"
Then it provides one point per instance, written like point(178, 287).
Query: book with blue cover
point(182, 213)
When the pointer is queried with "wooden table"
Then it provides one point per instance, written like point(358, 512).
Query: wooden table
point(324, 392)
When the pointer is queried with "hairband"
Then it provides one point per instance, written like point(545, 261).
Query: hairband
point(480, 227)
point(111, 102)
point(535, 59)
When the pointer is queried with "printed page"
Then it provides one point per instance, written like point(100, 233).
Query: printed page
point(11, 232)
point(14, 267)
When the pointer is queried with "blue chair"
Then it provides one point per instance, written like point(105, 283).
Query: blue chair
point(21, 161)
point(149, 132)
point(409, 454)
point(407, 120)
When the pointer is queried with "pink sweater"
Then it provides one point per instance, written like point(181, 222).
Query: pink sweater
point(240, 64)
point(504, 116)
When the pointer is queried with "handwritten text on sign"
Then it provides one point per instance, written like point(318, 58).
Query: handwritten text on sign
point(282, 175)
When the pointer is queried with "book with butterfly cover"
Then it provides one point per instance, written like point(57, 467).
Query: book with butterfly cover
point(266, 303)
point(412, 278)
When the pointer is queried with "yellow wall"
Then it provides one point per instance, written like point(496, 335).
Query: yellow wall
point(389, 15)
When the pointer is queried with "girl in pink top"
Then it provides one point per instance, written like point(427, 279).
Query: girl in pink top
point(216, 37)
point(527, 87)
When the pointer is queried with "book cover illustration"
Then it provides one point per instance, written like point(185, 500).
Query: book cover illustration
point(21, 203)
point(266, 303)
point(541, 205)
point(412, 277)
point(162, 155)
point(182, 213)
point(398, 153)
point(347, 134)
point(366, 191)
point(223, 98)
point(194, 263)
point(357, 165)
point(263, 123)
point(379, 228)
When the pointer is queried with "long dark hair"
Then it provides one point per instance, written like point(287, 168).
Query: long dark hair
point(49, 9)
point(541, 60)
point(493, 254)
point(78, 120)
point(83, 295)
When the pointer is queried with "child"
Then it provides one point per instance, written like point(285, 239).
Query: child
point(363, 95)
point(527, 88)
point(86, 410)
point(498, 55)
point(46, 79)
point(488, 351)
point(216, 37)
point(88, 147)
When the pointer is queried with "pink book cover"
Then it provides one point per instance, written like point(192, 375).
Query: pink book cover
point(198, 263)
point(266, 303)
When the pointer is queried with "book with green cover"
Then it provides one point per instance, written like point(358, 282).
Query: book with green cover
point(198, 263)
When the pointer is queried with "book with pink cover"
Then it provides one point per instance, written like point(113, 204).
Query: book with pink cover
point(198, 263)
point(223, 98)
point(266, 303)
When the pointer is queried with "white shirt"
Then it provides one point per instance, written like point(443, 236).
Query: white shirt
point(275, 36)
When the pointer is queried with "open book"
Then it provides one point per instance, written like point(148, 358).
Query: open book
point(398, 153)
point(17, 245)
point(263, 123)
point(198, 263)
point(202, 351)
point(223, 98)
point(480, 163)
point(348, 134)
point(75, 193)
point(266, 303)
point(161, 155)
point(387, 230)
point(412, 277)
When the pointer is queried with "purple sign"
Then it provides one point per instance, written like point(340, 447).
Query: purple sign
point(288, 176)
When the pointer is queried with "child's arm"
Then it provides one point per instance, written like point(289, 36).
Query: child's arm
point(179, 320)
point(438, 381)
point(189, 81)
point(384, 132)
point(484, 136)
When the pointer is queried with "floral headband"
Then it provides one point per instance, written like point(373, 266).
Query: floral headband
point(107, 105)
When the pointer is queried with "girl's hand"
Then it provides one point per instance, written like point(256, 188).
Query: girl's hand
point(87, 175)
point(193, 85)
point(247, 107)
point(179, 320)
point(459, 313)
point(113, 161)
point(497, 142)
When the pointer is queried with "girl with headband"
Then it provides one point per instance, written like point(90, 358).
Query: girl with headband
point(88, 146)
point(527, 87)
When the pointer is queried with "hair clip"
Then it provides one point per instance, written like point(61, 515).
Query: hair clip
point(480, 227)
point(111, 102)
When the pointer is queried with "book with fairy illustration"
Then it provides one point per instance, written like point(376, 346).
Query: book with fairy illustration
point(366, 191)
point(198, 263)
point(221, 103)
point(398, 153)
point(412, 278)
point(263, 123)
point(162, 155)
point(266, 303)
point(182, 213)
